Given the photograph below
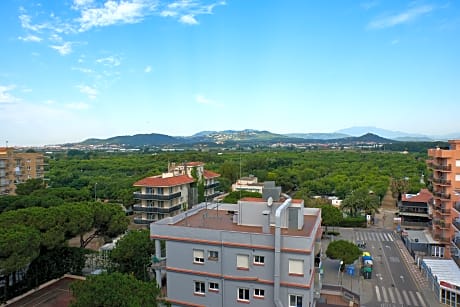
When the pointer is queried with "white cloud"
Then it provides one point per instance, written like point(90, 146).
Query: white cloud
point(109, 61)
point(30, 38)
point(6, 97)
point(401, 18)
point(148, 69)
point(77, 106)
point(63, 49)
point(188, 10)
point(167, 13)
point(115, 12)
point(188, 19)
point(91, 92)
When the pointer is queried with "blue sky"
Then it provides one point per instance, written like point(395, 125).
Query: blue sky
point(70, 70)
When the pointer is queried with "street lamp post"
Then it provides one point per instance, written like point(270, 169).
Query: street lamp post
point(95, 191)
point(338, 272)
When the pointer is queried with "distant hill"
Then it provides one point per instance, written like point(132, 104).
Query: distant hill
point(135, 140)
point(245, 137)
point(389, 134)
point(318, 136)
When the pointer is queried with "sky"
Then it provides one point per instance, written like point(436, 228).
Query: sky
point(77, 69)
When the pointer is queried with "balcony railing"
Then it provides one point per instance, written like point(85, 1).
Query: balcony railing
point(139, 208)
point(150, 196)
point(142, 221)
point(441, 195)
point(441, 181)
point(211, 185)
point(442, 168)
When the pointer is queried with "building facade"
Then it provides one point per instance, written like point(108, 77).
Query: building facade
point(445, 165)
point(170, 193)
point(415, 210)
point(18, 167)
point(249, 184)
point(259, 252)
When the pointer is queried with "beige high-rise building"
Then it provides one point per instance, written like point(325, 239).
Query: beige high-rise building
point(18, 167)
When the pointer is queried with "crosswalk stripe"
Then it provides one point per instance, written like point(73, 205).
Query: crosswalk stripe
point(390, 236)
point(377, 293)
point(420, 298)
point(412, 296)
point(384, 293)
point(406, 298)
point(391, 295)
point(398, 295)
point(387, 236)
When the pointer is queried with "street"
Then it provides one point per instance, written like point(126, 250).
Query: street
point(391, 284)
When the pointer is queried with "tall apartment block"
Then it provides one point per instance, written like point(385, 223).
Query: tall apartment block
point(445, 164)
point(175, 191)
point(17, 167)
point(259, 252)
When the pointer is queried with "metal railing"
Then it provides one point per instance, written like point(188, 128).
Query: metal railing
point(151, 196)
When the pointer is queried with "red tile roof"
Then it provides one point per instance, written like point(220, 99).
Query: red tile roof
point(209, 174)
point(158, 181)
point(194, 163)
point(424, 196)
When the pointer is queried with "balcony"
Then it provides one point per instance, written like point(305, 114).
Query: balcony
point(441, 195)
point(441, 181)
point(211, 185)
point(139, 208)
point(141, 221)
point(440, 153)
point(139, 195)
point(441, 168)
point(457, 224)
point(445, 211)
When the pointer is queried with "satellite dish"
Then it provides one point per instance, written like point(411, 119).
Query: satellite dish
point(270, 201)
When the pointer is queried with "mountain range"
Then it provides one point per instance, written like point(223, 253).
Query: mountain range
point(353, 135)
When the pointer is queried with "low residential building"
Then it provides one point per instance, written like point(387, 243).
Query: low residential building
point(415, 210)
point(444, 278)
point(259, 252)
point(17, 167)
point(249, 184)
point(173, 192)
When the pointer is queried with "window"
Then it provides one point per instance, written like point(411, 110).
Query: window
point(213, 255)
point(259, 293)
point(199, 287)
point(242, 262)
point(243, 294)
point(296, 267)
point(295, 300)
point(213, 286)
point(259, 260)
point(457, 177)
point(148, 190)
point(198, 256)
point(160, 191)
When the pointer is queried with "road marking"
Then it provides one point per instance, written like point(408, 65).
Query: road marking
point(420, 299)
point(412, 296)
point(406, 298)
point(391, 295)
point(384, 293)
point(377, 293)
point(398, 295)
point(390, 236)
point(384, 236)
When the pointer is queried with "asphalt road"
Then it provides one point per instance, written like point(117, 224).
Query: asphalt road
point(391, 284)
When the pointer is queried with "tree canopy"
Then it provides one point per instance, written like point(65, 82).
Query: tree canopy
point(114, 289)
point(343, 250)
point(132, 253)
